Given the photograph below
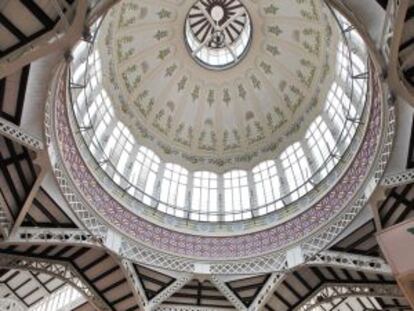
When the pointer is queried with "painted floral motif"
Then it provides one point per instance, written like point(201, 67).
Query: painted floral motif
point(246, 245)
point(277, 81)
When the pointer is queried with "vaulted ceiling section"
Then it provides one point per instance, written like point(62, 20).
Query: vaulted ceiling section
point(41, 240)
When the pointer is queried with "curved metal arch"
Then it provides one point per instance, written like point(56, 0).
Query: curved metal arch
point(332, 291)
point(376, 56)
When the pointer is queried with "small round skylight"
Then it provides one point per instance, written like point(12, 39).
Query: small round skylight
point(218, 33)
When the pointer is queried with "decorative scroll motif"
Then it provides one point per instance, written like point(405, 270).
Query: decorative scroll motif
point(228, 293)
point(13, 132)
point(60, 269)
point(140, 47)
point(398, 179)
point(330, 292)
point(350, 261)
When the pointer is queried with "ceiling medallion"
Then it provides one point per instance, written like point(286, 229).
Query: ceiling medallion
point(218, 33)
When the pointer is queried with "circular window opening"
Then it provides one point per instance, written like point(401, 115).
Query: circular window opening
point(218, 33)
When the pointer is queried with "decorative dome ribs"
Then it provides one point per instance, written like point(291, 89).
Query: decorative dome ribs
point(123, 137)
point(218, 201)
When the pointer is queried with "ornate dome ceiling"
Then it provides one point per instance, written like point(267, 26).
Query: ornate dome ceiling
point(132, 87)
point(218, 119)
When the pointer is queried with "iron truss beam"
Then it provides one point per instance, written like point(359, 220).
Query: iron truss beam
point(330, 292)
point(63, 270)
point(73, 23)
point(53, 236)
point(29, 235)
point(6, 219)
point(18, 135)
point(350, 261)
point(169, 291)
point(398, 179)
point(29, 200)
point(181, 279)
point(188, 308)
point(135, 284)
point(266, 291)
point(218, 282)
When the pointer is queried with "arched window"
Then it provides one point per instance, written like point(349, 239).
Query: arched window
point(267, 186)
point(144, 173)
point(342, 112)
point(297, 170)
point(236, 196)
point(322, 145)
point(204, 201)
point(173, 190)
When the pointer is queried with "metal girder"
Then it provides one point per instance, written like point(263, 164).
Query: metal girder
point(60, 269)
point(333, 291)
point(398, 179)
point(228, 293)
point(18, 135)
point(52, 41)
point(29, 200)
point(267, 291)
point(350, 261)
point(53, 236)
point(65, 34)
point(188, 308)
point(169, 291)
point(135, 284)
point(6, 220)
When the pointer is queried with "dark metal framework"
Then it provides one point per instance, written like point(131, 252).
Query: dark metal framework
point(46, 24)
